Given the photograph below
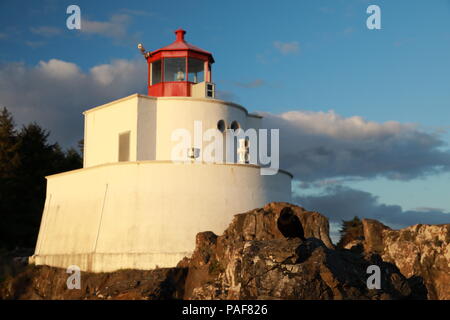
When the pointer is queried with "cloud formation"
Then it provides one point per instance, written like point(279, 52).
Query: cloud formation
point(343, 203)
point(54, 93)
point(116, 27)
point(324, 145)
point(286, 48)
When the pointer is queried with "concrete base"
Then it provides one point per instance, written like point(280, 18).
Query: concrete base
point(139, 215)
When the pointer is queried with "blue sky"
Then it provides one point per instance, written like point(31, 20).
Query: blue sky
point(274, 57)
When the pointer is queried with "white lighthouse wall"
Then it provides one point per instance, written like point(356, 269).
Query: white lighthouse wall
point(151, 122)
point(174, 113)
point(145, 214)
point(102, 128)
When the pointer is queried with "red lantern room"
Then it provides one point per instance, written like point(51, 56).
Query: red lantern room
point(179, 69)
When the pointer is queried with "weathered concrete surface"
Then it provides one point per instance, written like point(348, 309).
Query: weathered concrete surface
point(143, 215)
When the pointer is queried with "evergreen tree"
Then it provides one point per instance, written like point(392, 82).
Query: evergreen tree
point(9, 161)
point(26, 157)
point(9, 158)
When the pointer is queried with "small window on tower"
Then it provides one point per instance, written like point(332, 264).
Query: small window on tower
point(221, 125)
point(124, 146)
point(235, 125)
point(156, 72)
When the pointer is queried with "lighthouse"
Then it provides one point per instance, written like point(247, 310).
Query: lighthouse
point(132, 206)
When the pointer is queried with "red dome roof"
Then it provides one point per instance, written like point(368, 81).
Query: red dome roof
point(181, 44)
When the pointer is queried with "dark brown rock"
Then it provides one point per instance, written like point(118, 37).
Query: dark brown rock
point(43, 282)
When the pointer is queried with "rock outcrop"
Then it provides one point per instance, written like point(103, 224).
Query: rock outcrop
point(252, 260)
point(421, 252)
point(262, 223)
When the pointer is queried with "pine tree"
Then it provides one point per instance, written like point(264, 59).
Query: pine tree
point(26, 158)
point(9, 158)
point(9, 163)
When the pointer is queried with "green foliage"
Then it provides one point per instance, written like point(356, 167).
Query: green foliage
point(351, 230)
point(26, 157)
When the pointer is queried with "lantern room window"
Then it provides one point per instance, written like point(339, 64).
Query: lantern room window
point(179, 70)
point(196, 70)
point(156, 72)
point(175, 69)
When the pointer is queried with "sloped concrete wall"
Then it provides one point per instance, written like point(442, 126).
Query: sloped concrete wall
point(145, 214)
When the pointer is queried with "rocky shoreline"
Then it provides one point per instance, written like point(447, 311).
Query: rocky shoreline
point(253, 260)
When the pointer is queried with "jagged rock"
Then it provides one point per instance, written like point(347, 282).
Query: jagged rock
point(373, 235)
point(421, 252)
point(252, 261)
point(262, 223)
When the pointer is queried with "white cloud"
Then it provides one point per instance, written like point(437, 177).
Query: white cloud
point(116, 27)
point(59, 69)
point(287, 47)
point(121, 71)
point(54, 93)
point(323, 145)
